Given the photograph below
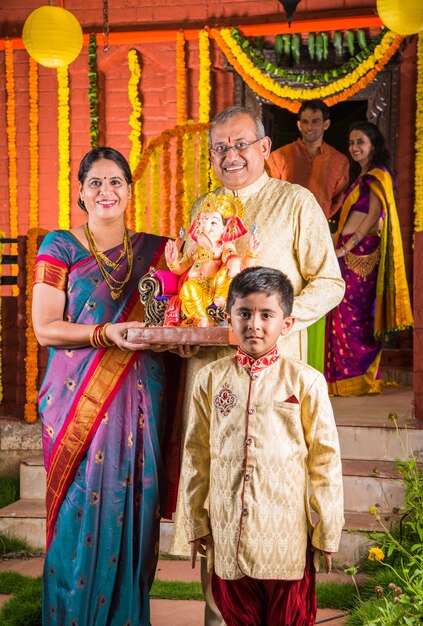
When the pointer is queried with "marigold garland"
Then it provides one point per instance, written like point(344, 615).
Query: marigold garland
point(155, 191)
point(166, 135)
point(189, 177)
point(63, 184)
point(1, 326)
point(11, 151)
point(31, 358)
point(180, 77)
point(33, 144)
point(165, 215)
point(134, 123)
point(180, 182)
point(140, 188)
point(93, 90)
point(418, 163)
point(203, 112)
point(288, 97)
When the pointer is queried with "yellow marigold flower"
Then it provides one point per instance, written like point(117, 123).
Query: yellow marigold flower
point(376, 554)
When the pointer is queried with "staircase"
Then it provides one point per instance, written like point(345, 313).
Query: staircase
point(369, 443)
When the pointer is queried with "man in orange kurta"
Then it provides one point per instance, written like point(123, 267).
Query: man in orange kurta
point(314, 164)
point(311, 162)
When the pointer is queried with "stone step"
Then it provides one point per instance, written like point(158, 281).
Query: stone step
point(25, 519)
point(371, 483)
point(33, 478)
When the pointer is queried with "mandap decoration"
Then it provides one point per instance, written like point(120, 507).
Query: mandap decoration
point(401, 16)
point(52, 36)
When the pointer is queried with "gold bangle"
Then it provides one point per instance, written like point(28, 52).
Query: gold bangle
point(172, 266)
point(251, 255)
point(106, 341)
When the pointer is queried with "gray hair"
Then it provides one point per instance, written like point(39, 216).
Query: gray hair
point(227, 114)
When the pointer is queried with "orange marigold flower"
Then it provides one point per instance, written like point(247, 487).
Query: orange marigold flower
point(376, 554)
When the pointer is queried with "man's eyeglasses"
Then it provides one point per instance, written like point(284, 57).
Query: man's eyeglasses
point(238, 147)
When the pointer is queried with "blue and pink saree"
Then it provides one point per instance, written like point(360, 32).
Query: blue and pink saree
point(103, 415)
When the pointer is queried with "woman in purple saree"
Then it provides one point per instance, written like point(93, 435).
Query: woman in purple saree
point(369, 248)
point(102, 408)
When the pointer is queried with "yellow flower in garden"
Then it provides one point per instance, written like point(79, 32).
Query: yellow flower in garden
point(373, 510)
point(376, 554)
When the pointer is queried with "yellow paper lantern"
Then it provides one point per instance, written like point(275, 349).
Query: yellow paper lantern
point(401, 16)
point(52, 36)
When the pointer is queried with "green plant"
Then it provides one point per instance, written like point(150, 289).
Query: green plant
point(396, 578)
point(11, 546)
point(9, 490)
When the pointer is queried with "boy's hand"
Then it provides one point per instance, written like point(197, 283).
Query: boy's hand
point(328, 561)
point(199, 546)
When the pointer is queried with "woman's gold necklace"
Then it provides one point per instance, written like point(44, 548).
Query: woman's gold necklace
point(116, 286)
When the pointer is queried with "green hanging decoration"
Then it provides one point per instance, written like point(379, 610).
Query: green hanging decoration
point(93, 90)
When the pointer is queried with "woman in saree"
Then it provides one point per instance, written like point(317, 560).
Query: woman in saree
point(369, 249)
point(102, 408)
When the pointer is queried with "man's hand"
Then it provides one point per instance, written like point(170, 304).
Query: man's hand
point(199, 546)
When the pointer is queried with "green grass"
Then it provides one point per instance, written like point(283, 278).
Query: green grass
point(338, 596)
point(24, 608)
point(11, 546)
point(176, 590)
point(9, 490)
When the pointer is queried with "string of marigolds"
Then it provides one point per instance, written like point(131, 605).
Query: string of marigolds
point(204, 88)
point(33, 144)
point(418, 163)
point(63, 147)
point(31, 358)
point(135, 124)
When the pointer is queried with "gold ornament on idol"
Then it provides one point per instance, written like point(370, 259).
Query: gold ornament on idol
point(116, 286)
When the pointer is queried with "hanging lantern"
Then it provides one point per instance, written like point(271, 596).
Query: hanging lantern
point(52, 36)
point(401, 16)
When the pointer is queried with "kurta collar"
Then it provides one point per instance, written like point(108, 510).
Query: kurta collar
point(322, 150)
point(244, 193)
point(256, 365)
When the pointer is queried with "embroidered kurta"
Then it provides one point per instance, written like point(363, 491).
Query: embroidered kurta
point(296, 240)
point(325, 175)
point(258, 430)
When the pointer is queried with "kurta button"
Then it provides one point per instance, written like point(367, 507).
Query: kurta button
point(248, 441)
point(244, 512)
point(247, 476)
point(254, 376)
point(251, 411)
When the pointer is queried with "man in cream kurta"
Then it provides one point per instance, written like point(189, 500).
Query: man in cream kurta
point(257, 430)
point(295, 239)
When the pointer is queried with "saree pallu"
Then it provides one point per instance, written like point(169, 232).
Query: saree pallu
point(103, 416)
point(352, 352)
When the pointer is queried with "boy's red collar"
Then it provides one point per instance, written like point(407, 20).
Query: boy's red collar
point(256, 365)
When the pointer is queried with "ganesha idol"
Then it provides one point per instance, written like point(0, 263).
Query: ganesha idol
point(208, 264)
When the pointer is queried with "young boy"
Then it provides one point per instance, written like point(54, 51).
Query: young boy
point(261, 427)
